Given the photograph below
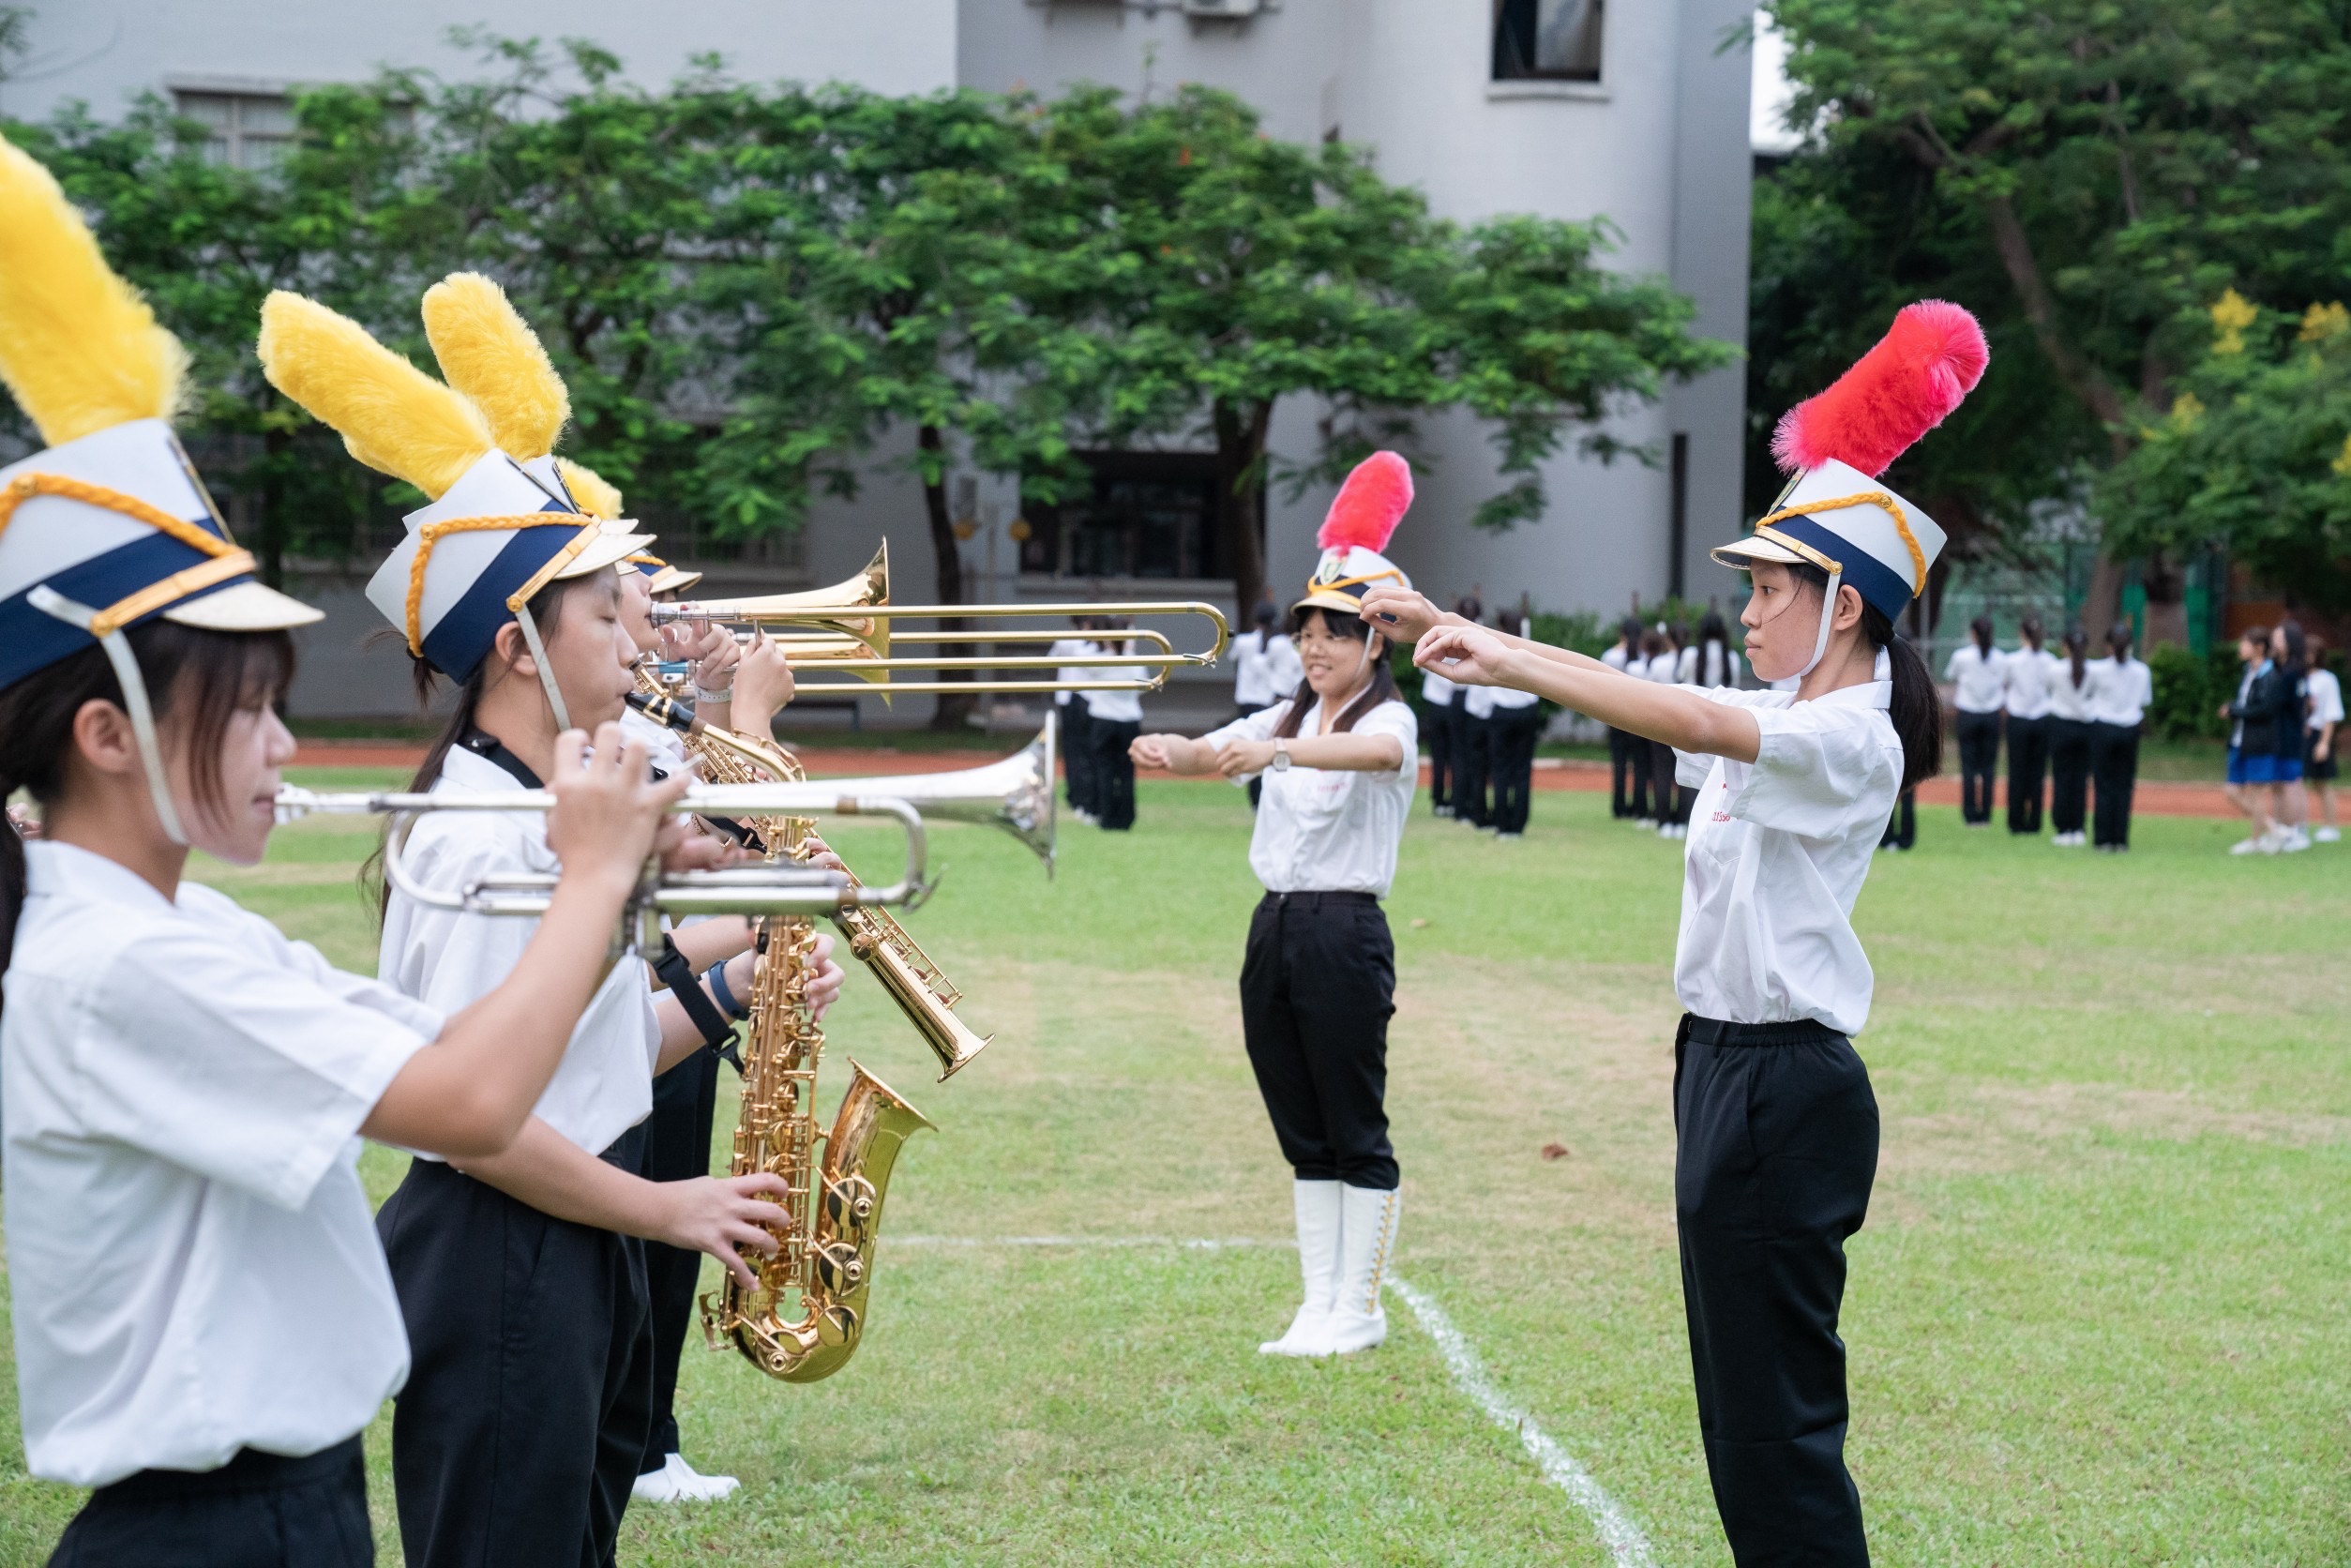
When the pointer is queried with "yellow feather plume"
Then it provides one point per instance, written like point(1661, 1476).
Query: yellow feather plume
point(393, 418)
point(593, 491)
point(77, 346)
point(488, 352)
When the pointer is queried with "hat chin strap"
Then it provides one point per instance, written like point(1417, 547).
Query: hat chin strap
point(1828, 617)
point(547, 671)
point(50, 602)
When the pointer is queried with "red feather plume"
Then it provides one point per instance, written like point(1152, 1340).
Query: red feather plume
point(1369, 505)
point(1928, 361)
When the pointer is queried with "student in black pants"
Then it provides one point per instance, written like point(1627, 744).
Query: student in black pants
point(1474, 760)
point(1441, 724)
point(1113, 719)
point(1516, 728)
point(1077, 740)
point(1628, 793)
point(2120, 689)
point(2069, 743)
point(2027, 675)
point(1979, 684)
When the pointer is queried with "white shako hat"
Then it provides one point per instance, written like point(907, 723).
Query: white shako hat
point(488, 353)
point(1361, 520)
point(495, 533)
point(1834, 513)
point(108, 527)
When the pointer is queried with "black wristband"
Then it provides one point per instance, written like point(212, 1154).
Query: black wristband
point(723, 994)
point(678, 974)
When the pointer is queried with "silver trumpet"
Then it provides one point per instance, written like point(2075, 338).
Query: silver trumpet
point(1015, 794)
point(784, 888)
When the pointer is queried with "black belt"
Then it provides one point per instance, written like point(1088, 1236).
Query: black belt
point(1319, 900)
point(1714, 1031)
point(247, 1470)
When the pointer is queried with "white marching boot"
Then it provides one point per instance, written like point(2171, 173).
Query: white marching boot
point(1318, 1208)
point(1367, 1235)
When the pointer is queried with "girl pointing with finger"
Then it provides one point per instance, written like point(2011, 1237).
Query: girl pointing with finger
point(1775, 1122)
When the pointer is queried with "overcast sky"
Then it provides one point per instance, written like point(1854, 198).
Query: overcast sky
point(1770, 93)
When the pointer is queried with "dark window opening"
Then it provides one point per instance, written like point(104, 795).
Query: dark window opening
point(1546, 40)
point(1151, 514)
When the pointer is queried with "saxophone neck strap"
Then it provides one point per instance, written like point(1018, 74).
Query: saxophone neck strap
point(676, 972)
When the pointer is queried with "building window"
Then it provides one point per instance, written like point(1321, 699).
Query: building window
point(243, 130)
point(1151, 514)
point(1556, 40)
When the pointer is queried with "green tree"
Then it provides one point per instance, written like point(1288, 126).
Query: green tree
point(2115, 161)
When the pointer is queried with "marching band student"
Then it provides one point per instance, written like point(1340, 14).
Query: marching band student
point(522, 1277)
point(2026, 676)
point(1440, 716)
point(1113, 719)
point(1628, 754)
point(1777, 1127)
point(1265, 670)
point(182, 1087)
point(2069, 743)
point(1317, 986)
point(1978, 672)
point(1076, 737)
point(2319, 769)
point(1515, 728)
point(2120, 688)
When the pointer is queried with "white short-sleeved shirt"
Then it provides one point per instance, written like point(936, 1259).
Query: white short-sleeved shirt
point(193, 1265)
point(1777, 853)
point(1068, 647)
point(1618, 657)
point(1265, 668)
point(604, 1085)
point(1707, 664)
point(2326, 700)
point(667, 745)
point(1664, 669)
point(1437, 692)
point(1113, 708)
point(2027, 675)
point(1319, 830)
point(2067, 700)
point(2119, 693)
point(1980, 678)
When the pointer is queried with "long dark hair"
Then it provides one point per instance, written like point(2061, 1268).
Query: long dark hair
point(1981, 628)
point(2296, 649)
point(206, 677)
point(547, 610)
point(1916, 707)
point(1380, 688)
point(2030, 629)
point(1714, 649)
point(2077, 652)
point(2118, 640)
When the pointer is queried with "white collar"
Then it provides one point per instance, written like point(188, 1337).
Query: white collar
point(54, 869)
point(464, 770)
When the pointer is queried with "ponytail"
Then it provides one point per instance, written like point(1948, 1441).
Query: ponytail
point(197, 680)
point(1916, 708)
point(1981, 630)
point(2078, 653)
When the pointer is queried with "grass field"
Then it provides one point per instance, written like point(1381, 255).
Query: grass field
point(2100, 1313)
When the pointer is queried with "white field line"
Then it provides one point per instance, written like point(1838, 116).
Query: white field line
point(1617, 1530)
point(1618, 1533)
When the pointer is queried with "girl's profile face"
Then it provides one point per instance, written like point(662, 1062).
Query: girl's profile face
point(1780, 632)
point(235, 826)
point(637, 611)
point(591, 649)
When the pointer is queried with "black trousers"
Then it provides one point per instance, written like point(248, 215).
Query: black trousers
point(1776, 1151)
point(2114, 761)
point(1077, 755)
point(257, 1511)
point(1515, 731)
point(1440, 725)
point(1978, 762)
point(1318, 986)
point(2028, 761)
point(1902, 822)
point(1626, 794)
point(1473, 771)
point(1670, 802)
point(677, 1149)
point(1113, 770)
point(2068, 773)
point(1641, 801)
point(1242, 710)
point(530, 1394)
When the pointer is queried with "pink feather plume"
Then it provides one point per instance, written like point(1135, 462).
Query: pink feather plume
point(1928, 361)
point(1369, 505)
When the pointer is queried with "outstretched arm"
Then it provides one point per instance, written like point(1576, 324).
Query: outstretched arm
point(1682, 719)
point(1413, 617)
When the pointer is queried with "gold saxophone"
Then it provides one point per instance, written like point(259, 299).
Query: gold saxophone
point(823, 1269)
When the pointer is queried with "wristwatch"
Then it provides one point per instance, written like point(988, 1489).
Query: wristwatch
point(1281, 756)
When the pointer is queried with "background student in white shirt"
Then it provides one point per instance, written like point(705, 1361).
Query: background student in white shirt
point(1516, 720)
point(2120, 688)
point(1113, 719)
point(1441, 724)
point(203, 1321)
point(1076, 737)
point(2027, 674)
point(1628, 754)
point(1978, 682)
point(1670, 803)
point(1340, 762)
point(522, 1277)
point(2070, 693)
point(1265, 670)
point(1776, 1124)
point(1709, 661)
point(2322, 726)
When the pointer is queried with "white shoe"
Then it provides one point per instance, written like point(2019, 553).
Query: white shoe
point(660, 1486)
point(1367, 1236)
point(1510, 835)
point(2296, 841)
point(700, 1487)
point(1318, 1207)
point(2326, 836)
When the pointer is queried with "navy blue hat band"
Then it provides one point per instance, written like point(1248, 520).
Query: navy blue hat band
point(1880, 586)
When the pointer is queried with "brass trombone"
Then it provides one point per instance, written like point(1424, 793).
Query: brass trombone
point(852, 631)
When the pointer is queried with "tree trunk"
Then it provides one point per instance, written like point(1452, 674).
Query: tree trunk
point(270, 548)
point(1241, 499)
point(955, 708)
